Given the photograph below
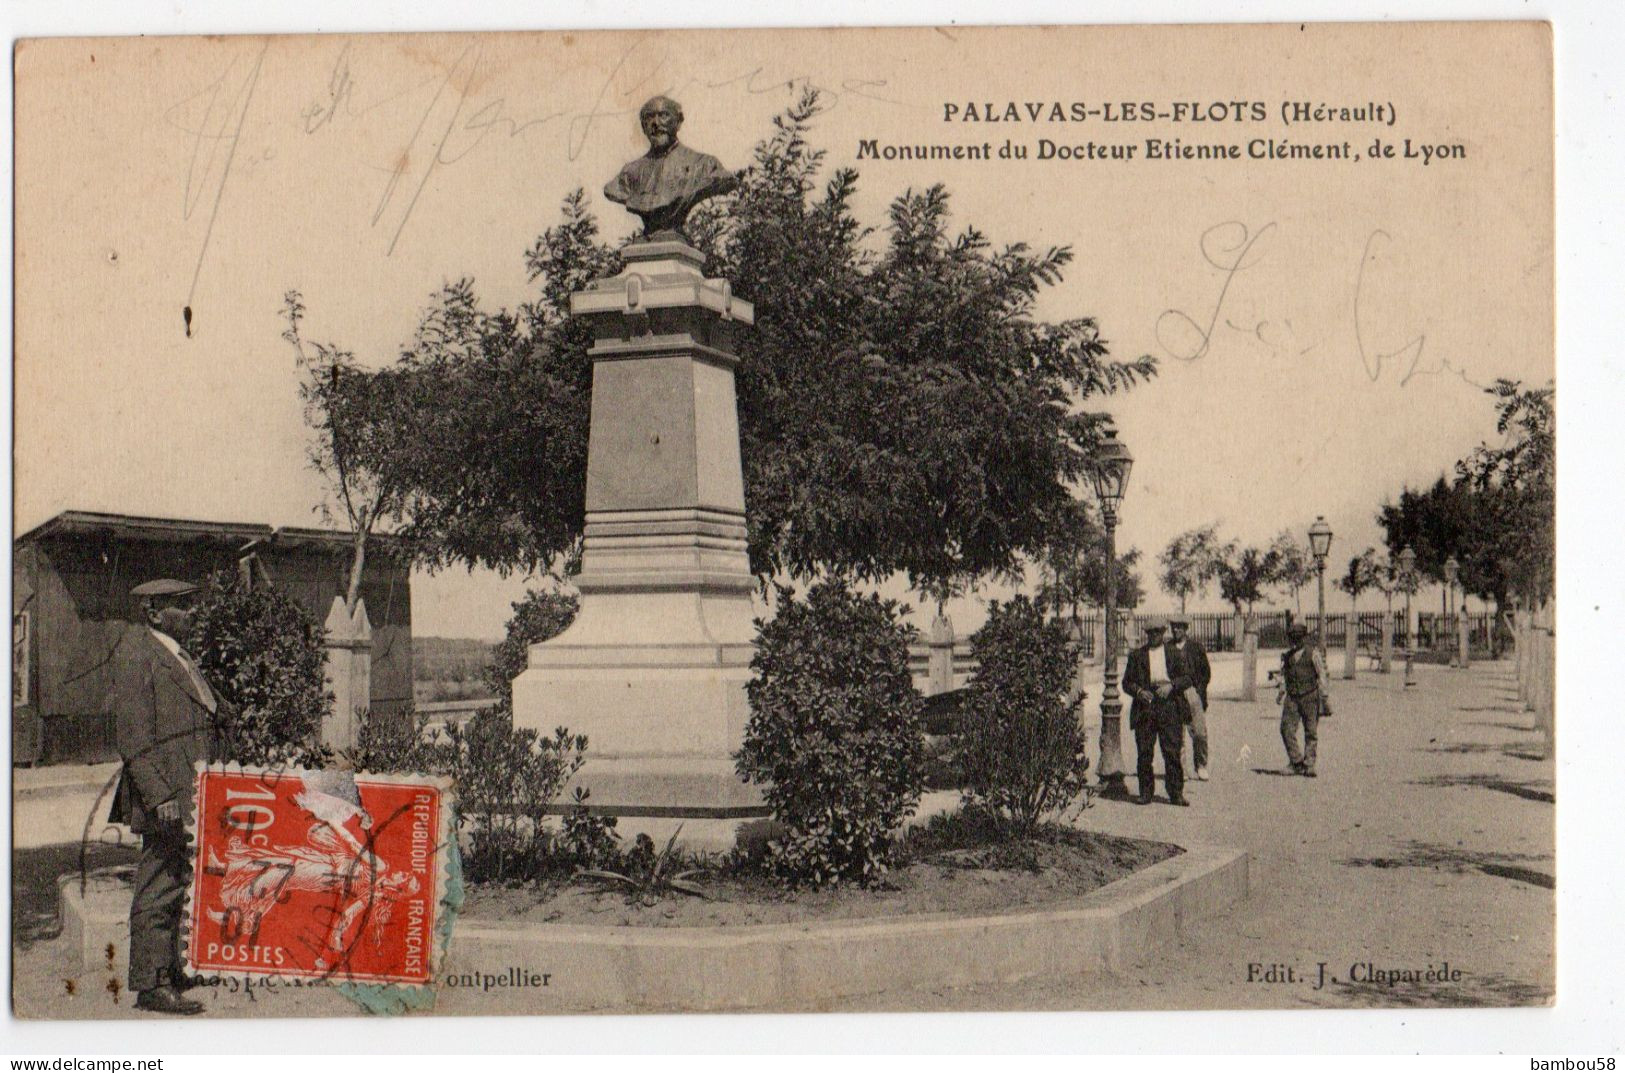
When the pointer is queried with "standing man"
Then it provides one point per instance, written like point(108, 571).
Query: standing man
point(1192, 659)
point(1303, 685)
point(1155, 717)
point(165, 715)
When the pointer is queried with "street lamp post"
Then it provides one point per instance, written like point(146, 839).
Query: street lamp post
point(1111, 478)
point(1407, 570)
point(1320, 544)
point(1452, 570)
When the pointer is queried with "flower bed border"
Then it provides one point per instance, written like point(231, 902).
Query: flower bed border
point(799, 966)
point(802, 966)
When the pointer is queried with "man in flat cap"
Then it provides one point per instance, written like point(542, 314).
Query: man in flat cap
point(663, 186)
point(1192, 657)
point(166, 716)
point(1303, 682)
point(1154, 679)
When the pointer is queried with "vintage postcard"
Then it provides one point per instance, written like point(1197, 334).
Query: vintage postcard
point(923, 519)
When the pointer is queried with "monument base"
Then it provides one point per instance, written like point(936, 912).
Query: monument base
point(662, 718)
point(653, 669)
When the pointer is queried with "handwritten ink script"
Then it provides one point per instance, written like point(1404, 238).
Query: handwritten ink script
point(1231, 248)
point(215, 136)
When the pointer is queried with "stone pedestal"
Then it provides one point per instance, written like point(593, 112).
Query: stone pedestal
point(348, 672)
point(654, 668)
point(1351, 644)
point(940, 661)
point(1249, 660)
point(1464, 646)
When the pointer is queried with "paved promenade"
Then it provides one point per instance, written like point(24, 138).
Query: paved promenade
point(1428, 838)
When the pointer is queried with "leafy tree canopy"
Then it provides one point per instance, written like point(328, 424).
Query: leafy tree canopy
point(1190, 562)
point(1294, 565)
point(902, 409)
point(1244, 574)
point(1073, 566)
point(1364, 573)
point(1497, 515)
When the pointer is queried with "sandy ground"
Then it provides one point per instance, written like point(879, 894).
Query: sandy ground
point(943, 881)
point(1428, 839)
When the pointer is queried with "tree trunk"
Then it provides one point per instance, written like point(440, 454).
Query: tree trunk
point(358, 563)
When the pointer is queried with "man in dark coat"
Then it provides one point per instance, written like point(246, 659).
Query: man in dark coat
point(1192, 658)
point(166, 716)
point(1154, 679)
point(1303, 684)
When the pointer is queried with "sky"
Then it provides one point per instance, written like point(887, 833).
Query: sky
point(1324, 329)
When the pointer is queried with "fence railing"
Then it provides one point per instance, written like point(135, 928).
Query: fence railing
point(943, 661)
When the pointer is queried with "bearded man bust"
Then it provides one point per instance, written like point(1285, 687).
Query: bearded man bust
point(665, 184)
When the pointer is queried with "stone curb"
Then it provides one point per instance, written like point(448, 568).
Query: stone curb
point(800, 966)
point(787, 966)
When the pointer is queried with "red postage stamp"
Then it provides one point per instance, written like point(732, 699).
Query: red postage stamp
point(318, 875)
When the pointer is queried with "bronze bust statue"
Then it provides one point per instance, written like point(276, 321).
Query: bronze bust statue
point(663, 186)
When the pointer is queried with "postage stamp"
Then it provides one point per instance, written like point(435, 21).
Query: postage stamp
point(318, 874)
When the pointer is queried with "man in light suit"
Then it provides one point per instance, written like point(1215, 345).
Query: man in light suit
point(1155, 680)
point(1193, 658)
point(166, 717)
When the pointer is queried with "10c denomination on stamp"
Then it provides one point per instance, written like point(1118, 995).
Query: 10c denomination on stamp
point(318, 874)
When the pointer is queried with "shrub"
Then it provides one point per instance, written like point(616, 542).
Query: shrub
point(397, 743)
point(536, 618)
point(587, 841)
point(835, 736)
point(1021, 745)
point(506, 777)
point(265, 654)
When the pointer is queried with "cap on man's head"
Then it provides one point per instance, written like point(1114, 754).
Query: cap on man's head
point(163, 586)
point(1297, 629)
point(1156, 629)
point(1185, 622)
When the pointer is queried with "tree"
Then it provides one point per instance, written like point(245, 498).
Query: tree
point(1435, 523)
point(1189, 562)
point(541, 615)
point(1073, 567)
point(1391, 582)
point(1244, 573)
point(352, 413)
point(902, 409)
point(498, 478)
point(1497, 515)
point(1457, 519)
point(1361, 576)
point(1517, 484)
point(1294, 566)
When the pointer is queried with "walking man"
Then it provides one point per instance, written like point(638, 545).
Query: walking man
point(1303, 684)
point(165, 716)
point(1149, 678)
point(1192, 658)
